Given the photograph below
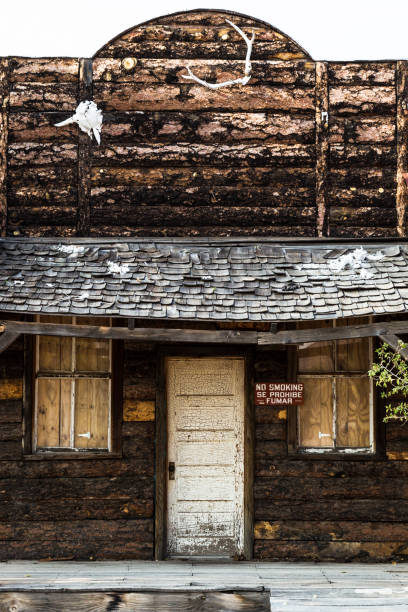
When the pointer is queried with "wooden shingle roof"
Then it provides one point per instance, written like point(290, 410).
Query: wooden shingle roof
point(203, 279)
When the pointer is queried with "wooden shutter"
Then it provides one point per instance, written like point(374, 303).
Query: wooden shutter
point(54, 412)
point(316, 414)
point(353, 411)
point(92, 413)
point(353, 355)
point(316, 357)
point(92, 355)
point(54, 353)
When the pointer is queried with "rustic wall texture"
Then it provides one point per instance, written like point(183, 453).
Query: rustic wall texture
point(178, 159)
point(84, 508)
point(337, 510)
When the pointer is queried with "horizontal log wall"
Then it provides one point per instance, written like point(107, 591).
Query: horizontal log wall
point(180, 159)
point(79, 508)
point(326, 510)
point(305, 509)
point(304, 149)
point(42, 159)
point(362, 181)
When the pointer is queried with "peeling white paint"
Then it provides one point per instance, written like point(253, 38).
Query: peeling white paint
point(206, 438)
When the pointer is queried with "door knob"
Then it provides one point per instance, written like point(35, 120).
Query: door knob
point(172, 470)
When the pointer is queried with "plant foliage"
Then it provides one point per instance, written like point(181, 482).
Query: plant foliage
point(390, 373)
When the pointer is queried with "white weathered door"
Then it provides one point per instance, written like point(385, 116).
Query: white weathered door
point(205, 398)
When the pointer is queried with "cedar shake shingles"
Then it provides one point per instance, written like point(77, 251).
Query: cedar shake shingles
point(200, 279)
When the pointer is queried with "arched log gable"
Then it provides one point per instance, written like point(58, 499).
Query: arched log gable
point(200, 33)
point(180, 159)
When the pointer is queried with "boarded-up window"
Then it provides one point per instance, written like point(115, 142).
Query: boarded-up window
point(73, 391)
point(336, 414)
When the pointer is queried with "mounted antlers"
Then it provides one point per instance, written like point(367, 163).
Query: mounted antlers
point(247, 72)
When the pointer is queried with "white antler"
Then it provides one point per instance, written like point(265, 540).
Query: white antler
point(247, 72)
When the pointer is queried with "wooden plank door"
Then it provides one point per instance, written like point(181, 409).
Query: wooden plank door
point(205, 398)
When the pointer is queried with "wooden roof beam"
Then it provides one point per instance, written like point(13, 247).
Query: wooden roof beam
point(204, 336)
point(140, 334)
point(394, 343)
point(7, 338)
point(299, 336)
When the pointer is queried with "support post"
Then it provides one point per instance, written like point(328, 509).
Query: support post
point(4, 108)
point(402, 146)
point(84, 154)
point(322, 147)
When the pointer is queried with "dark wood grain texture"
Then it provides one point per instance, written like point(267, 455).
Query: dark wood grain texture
point(4, 105)
point(201, 33)
point(161, 460)
point(322, 146)
point(249, 456)
point(402, 147)
point(6, 339)
point(84, 153)
point(166, 335)
point(134, 602)
point(175, 146)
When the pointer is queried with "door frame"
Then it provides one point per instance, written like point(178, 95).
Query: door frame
point(160, 518)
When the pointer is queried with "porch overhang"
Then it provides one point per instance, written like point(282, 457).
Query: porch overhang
point(198, 279)
point(203, 280)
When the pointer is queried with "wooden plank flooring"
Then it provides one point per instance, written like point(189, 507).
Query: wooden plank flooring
point(208, 587)
point(134, 602)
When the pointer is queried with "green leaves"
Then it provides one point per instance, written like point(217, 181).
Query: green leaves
point(390, 373)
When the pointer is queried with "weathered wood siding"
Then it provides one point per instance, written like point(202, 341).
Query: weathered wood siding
point(42, 176)
point(78, 508)
point(86, 508)
point(362, 178)
point(325, 509)
point(179, 159)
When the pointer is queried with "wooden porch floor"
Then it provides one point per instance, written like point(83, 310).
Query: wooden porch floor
point(293, 587)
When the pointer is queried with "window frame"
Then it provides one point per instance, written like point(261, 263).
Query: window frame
point(30, 397)
point(374, 450)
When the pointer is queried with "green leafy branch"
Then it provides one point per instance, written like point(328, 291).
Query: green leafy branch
point(390, 374)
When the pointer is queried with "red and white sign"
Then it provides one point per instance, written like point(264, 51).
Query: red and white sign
point(278, 394)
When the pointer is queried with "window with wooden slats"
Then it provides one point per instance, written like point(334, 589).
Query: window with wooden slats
point(72, 391)
point(338, 396)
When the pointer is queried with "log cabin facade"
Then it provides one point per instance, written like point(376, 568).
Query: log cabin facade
point(214, 240)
